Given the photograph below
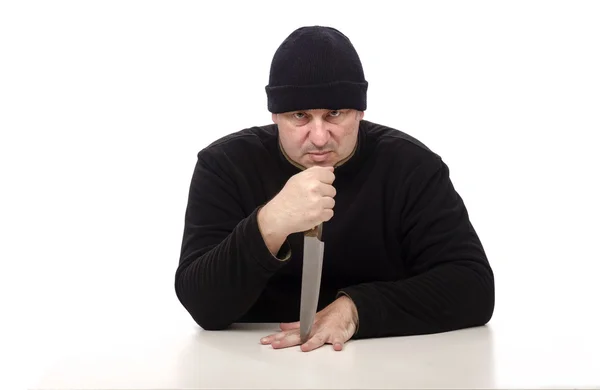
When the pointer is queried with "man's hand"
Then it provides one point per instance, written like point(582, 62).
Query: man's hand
point(305, 201)
point(334, 325)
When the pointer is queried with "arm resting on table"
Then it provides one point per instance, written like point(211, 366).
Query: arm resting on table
point(225, 262)
point(451, 285)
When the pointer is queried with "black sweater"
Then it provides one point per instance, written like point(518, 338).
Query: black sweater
point(400, 243)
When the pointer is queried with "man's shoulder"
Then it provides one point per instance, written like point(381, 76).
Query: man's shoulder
point(389, 142)
point(241, 142)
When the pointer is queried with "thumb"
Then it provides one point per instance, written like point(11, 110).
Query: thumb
point(322, 168)
point(338, 343)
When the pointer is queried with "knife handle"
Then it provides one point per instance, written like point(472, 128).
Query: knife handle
point(317, 231)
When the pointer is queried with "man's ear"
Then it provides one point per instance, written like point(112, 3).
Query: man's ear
point(360, 115)
point(274, 118)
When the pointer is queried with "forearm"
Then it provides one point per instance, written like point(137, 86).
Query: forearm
point(271, 233)
point(452, 296)
point(218, 286)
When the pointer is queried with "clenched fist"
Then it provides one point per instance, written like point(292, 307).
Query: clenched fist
point(306, 200)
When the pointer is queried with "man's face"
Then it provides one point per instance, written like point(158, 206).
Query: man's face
point(318, 137)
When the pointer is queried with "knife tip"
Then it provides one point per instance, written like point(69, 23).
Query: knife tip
point(303, 338)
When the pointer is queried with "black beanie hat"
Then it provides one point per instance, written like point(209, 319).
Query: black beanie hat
point(316, 68)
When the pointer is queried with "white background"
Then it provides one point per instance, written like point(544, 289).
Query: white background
point(104, 105)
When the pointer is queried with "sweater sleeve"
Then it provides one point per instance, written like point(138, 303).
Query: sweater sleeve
point(450, 284)
point(224, 263)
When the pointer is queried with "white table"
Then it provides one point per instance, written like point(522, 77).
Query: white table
point(494, 356)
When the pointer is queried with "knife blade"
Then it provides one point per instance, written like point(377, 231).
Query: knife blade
point(311, 279)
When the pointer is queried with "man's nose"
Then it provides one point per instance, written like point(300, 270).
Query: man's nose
point(319, 134)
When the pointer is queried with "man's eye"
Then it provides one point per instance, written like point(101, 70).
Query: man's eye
point(299, 115)
point(335, 113)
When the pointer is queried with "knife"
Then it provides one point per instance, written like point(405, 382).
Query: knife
point(311, 279)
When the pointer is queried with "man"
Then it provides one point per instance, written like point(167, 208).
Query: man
point(401, 256)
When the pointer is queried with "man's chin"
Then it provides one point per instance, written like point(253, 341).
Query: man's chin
point(328, 163)
point(323, 159)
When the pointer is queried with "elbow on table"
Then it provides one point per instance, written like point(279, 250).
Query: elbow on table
point(486, 297)
point(213, 325)
point(477, 298)
point(207, 314)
